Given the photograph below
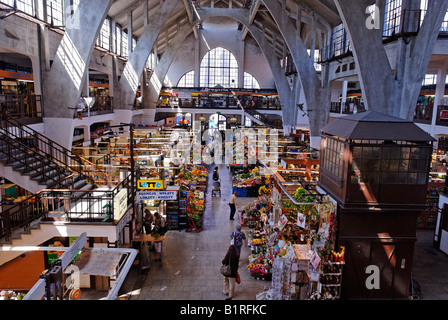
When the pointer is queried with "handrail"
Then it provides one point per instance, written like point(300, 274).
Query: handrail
point(39, 205)
point(26, 211)
point(47, 147)
point(260, 117)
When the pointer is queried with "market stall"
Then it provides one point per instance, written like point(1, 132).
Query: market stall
point(292, 239)
point(192, 180)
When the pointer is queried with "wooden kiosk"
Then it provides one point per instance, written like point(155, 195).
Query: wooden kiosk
point(376, 168)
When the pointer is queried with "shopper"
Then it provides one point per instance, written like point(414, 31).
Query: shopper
point(148, 220)
point(233, 204)
point(238, 238)
point(215, 174)
point(231, 259)
point(159, 229)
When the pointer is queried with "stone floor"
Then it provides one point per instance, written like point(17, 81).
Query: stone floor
point(189, 269)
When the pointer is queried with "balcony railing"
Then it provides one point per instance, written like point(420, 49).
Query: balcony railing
point(348, 108)
point(27, 108)
point(67, 204)
point(423, 113)
point(102, 105)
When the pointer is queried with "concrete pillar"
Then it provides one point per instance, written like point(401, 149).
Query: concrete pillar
point(316, 92)
point(129, 81)
point(62, 84)
point(440, 92)
point(197, 61)
point(130, 32)
point(241, 67)
point(344, 94)
point(385, 90)
point(113, 36)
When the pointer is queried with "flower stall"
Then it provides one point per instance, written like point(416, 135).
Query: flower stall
point(292, 240)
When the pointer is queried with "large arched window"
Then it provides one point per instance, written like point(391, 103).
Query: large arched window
point(250, 82)
point(219, 67)
point(187, 80)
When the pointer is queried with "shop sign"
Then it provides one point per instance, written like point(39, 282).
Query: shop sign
point(150, 184)
point(157, 195)
point(120, 204)
point(16, 75)
point(184, 95)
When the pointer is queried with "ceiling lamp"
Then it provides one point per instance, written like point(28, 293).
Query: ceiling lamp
point(202, 119)
point(233, 120)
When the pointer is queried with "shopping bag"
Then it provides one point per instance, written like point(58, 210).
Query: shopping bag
point(238, 279)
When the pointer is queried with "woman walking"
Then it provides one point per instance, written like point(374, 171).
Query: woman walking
point(231, 259)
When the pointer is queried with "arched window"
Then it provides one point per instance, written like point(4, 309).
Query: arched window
point(187, 80)
point(250, 82)
point(219, 67)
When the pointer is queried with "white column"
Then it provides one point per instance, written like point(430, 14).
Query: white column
point(130, 31)
point(197, 63)
point(440, 91)
point(344, 94)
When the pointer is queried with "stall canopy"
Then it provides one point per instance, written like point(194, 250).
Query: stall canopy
point(371, 125)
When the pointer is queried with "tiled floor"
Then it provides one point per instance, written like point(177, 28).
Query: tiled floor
point(189, 269)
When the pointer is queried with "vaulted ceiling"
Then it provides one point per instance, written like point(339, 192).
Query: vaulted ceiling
point(323, 12)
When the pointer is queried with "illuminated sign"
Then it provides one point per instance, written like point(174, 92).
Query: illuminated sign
point(150, 184)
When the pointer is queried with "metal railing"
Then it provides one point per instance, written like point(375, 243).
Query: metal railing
point(41, 146)
point(102, 105)
point(423, 113)
point(84, 205)
point(69, 205)
point(347, 108)
point(25, 107)
point(264, 119)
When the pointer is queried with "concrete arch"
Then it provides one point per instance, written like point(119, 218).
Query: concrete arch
point(286, 95)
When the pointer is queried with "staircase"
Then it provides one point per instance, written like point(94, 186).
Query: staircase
point(58, 179)
point(262, 120)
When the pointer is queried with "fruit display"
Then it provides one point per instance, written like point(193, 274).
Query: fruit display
point(191, 176)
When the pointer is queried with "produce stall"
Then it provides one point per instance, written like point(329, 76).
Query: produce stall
point(193, 183)
point(248, 184)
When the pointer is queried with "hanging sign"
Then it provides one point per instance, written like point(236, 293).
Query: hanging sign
point(157, 195)
point(150, 184)
point(120, 204)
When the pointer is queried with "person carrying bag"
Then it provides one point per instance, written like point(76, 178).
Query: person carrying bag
point(230, 271)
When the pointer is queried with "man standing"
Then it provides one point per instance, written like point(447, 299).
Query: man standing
point(233, 204)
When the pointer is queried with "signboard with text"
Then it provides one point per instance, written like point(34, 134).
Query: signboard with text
point(157, 195)
point(150, 184)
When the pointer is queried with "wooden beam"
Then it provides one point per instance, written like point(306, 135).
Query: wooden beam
point(253, 10)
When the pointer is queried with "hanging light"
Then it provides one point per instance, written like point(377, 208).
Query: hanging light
point(233, 120)
point(201, 118)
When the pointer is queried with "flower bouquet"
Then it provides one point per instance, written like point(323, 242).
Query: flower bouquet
point(260, 271)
